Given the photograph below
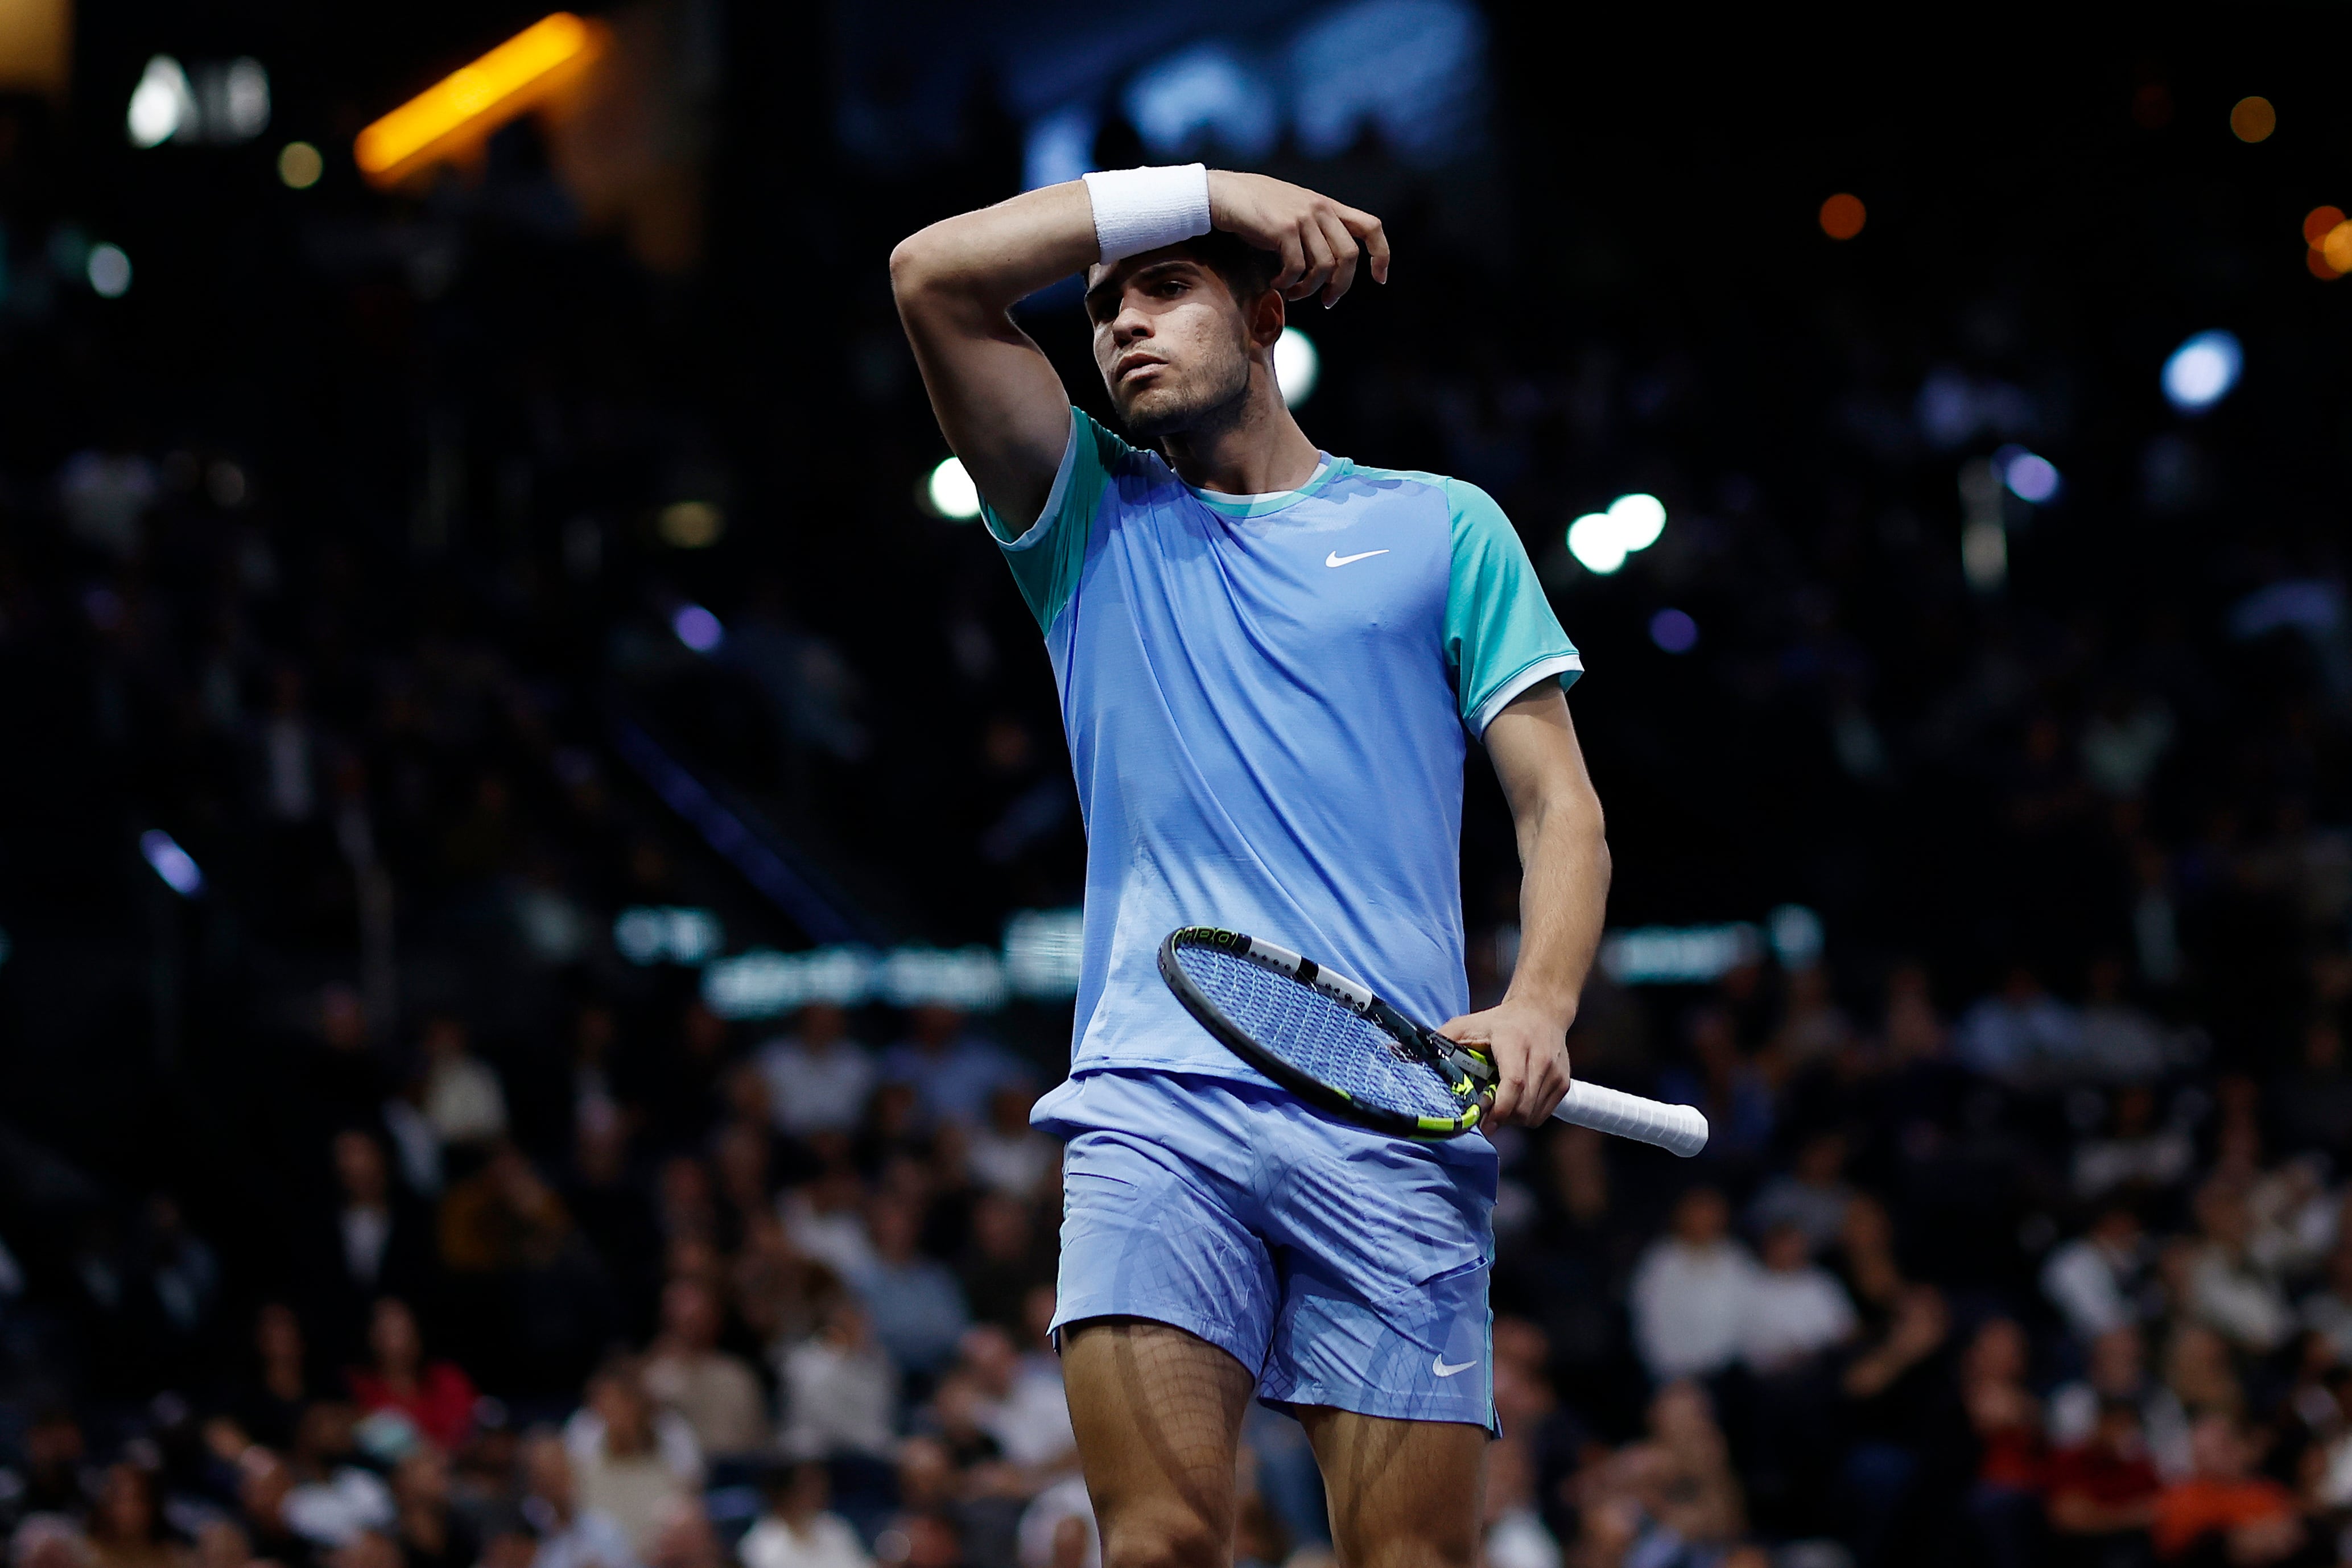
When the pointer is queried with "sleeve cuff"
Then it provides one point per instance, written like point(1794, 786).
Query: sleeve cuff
point(1500, 698)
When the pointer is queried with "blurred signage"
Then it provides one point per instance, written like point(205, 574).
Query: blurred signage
point(1039, 961)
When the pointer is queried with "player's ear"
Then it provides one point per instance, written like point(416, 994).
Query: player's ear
point(1266, 318)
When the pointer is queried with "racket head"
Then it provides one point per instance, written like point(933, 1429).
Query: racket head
point(1325, 1037)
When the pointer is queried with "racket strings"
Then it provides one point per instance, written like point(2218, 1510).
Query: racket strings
point(1320, 1037)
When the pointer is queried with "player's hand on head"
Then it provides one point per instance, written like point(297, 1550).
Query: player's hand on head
point(1321, 241)
point(1530, 1050)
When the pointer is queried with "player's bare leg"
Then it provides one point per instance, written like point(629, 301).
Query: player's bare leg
point(1403, 1494)
point(1158, 1413)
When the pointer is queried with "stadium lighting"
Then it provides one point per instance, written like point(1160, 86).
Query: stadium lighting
point(174, 864)
point(1601, 539)
point(1673, 631)
point(697, 628)
point(2202, 370)
point(1595, 542)
point(949, 492)
point(1296, 366)
point(108, 270)
point(2029, 478)
point(300, 165)
point(1640, 518)
point(1843, 215)
point(475, 99)
point(163, 105)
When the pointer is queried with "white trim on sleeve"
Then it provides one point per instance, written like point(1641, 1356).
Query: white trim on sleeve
point(1500, 699)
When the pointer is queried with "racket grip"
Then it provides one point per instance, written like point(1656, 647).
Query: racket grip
point(1678, 1129)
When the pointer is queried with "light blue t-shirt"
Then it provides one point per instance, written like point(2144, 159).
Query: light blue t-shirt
point(1266, 699)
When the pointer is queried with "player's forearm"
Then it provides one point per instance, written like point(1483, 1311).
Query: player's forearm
point(1563, 900)
point(982, 262)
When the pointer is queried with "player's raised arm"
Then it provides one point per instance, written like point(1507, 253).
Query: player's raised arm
point(996, 396)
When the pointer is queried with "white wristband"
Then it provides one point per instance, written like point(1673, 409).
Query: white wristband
point(1142, 209)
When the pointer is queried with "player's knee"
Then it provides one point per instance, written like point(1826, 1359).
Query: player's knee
point(1437, 1547)
point(1164, 1538)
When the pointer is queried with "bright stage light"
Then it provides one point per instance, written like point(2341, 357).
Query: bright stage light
point(108, 270)
point(2254, 120)
point(300, 165)
point(1640, 518)
point(1296, 366)
point(697, 628)
point(475, 99)
point(171, 863)
point(1597, 544)
point(2201, 371)
point(950, 492)
point(163, 105)
point(2030, 477)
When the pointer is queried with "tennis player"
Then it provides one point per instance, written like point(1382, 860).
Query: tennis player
point(1269, 658)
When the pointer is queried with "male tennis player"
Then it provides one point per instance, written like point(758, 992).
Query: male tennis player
point(1268, 660)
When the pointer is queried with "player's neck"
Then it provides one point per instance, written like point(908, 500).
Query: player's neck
point(1261, 452)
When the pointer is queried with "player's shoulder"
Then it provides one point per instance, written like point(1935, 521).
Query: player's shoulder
point(1464, 505)
point(1127, 465)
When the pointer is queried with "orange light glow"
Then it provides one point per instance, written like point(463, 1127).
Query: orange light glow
point(2254, 120)
point(2316, 259)
point(2337, 248)
point(1843, 215)
point(473, 101)
point(2317, 222)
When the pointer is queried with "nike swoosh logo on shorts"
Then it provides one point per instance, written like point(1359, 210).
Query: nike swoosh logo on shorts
point(1441, 1370)
point(1336, 559)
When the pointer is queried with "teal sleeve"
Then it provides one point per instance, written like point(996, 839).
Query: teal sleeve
point(1047, 555)
point(1501, 637)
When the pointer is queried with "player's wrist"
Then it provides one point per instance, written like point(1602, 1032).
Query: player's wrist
point(1549, 1011)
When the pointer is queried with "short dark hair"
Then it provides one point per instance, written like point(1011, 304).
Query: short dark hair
point(1246, 271)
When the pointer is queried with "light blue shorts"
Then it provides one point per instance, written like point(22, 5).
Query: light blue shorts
point(1347, 1266)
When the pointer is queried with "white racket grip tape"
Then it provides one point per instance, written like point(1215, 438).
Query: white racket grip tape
point(1679, 1129)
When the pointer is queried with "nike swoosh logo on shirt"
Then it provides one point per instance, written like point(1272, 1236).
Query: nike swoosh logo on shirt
point(1336, 559)
point(1439, 1366)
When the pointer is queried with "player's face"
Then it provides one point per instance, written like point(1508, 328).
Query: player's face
point(1174, 346)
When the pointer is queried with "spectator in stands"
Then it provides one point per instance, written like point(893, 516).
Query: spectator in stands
point(1794, 1310)
point(2020, 1035)
point(2228, 1291)
point(436, 1396)
point(2006, 1501)
point(2253, 1519)
point(1812, 1195)
point(1903, 1409)
point(1690, 1290)
point(2329, 1309)
point(381, 1246)
point(573, 1532)
point(1007, 1155)
point(431, 1532)
point(273, 1397)
point(840, 1389)
point(2096, 1280)
point(715, 1391)
point(463, 1099)
point(2118, 1371)
point(951, 1069)
point(2202, 1373)
point(126, 1524)
point(818, 1077)
point(827, 1220)
point(1004, 1259)
point(50, 1541)
point(795, 1530)
point(630, 1462)
point(918, 1308)
point(2311, 1108)
point(2135, 1152)
point(1022, 1404)
point(2103, 1492)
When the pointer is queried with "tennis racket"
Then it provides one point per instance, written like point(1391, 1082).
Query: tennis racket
point(1330, 1041)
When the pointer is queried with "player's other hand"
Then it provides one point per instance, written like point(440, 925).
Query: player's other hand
point(1321, 240)
point(1529, 1047)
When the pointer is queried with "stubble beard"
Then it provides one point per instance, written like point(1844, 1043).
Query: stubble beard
point(1193, 409)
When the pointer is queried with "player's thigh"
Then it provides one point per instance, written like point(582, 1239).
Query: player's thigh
point(1403, 1494)
point(1158, 1413)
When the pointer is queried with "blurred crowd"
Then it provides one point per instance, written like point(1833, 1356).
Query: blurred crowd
point(365, 1208)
